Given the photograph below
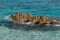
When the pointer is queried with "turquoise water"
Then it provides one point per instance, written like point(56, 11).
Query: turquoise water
point(49, 8)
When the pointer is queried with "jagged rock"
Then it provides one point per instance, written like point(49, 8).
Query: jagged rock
point(21, 18)
point(29, 17)
point(17, 18)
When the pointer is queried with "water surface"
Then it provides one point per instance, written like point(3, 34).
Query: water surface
point(50, 8)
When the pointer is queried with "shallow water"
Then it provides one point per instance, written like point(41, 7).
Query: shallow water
point(50, 8)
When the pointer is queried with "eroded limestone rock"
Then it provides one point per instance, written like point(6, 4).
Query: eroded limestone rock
point(22, 18)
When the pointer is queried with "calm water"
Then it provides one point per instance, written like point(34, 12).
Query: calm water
point(49, 8)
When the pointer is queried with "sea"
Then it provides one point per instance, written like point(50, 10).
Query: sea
point(49, 8)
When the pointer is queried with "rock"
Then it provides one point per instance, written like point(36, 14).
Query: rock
point(29, 17)
point(36, 18)
point(54, 22)
point(44, 19)
point(38, 22)
point(22, 18)
point(14, 19)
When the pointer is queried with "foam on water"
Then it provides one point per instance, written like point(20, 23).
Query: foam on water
point(27, 23)
point(8, 18)
point(58, 25)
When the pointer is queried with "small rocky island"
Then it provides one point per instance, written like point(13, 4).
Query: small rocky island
point(21, 18)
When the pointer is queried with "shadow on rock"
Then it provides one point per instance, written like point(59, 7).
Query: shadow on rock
point(9, 25)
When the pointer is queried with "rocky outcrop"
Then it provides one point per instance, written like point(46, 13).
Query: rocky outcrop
point(22, 18)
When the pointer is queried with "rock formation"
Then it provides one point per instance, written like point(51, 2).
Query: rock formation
point(22, 18)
